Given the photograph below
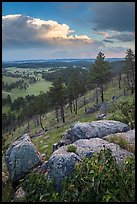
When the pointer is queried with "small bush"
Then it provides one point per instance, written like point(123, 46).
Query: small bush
point(124, 111)
point(100, 179)
point(96, 179)
point(72, 148)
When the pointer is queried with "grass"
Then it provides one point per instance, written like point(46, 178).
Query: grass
point(122, 142)
point(48, 139)
point(33, 89)
point(10, 80)
point(56, 129)
point(7, 193)
point(44, 143)
point(5, 109)
point(72, 148)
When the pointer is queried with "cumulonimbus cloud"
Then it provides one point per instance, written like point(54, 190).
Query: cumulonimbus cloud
point(19, 30)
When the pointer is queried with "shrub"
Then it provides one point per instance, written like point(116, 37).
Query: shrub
point(124, 111)
point(72, 148)
point(100, 179)
point(96, 179)
point(123, 143)
point(38, 188)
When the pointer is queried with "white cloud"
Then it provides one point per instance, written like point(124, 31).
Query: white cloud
point(19, 30)
point(33, 38)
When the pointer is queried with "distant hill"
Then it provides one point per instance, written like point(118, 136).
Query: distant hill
point(54, 63)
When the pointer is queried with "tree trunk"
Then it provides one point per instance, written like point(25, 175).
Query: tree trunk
point(70, 106)
point(76, 102)
point(41, 122)
point(56, 112)
point(119, 81)
point(62, 113)
point(102, 94)
point(133, 74)
point(96, 97)
point(124, 91)
point(84, 100)
point(128, 82)
point(132, 89)
point(74, 107)
point(28, 125)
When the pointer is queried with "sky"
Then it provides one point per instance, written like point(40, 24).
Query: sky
point(53, 30)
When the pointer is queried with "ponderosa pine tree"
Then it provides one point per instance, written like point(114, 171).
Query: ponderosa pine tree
point(76, 87)
point(99, 73)
point(129, 69)
point(42, 105)
point(57, 95)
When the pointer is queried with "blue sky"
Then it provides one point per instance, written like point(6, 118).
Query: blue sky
point(45, 30)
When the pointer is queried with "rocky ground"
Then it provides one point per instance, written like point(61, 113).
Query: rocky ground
point(88, 138)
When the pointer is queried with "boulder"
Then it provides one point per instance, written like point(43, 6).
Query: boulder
point(21, 157)
point(129, 136)
point(100, 116)
point(19, 195)
point(61, 163)
point(86, 148)
point(94, 129)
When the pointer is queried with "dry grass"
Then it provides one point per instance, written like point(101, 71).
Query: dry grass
point(122, 142)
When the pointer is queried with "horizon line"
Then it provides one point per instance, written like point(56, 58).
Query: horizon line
point(59, 59)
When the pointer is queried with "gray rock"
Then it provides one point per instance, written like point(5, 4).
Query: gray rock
point(129, 136)
point(100, 116)
point(19, 194)
point(61, 163)
point(86, 148)
point(94, 129)
point(21, 157)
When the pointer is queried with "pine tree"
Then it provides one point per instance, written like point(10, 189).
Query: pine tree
point(76, 87)
point(129, 69)
point(57, 95)
point(99, 73)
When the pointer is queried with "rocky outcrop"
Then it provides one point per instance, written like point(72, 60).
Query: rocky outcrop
point(94, 129)
point(129, 136)
point(61, 162)
point(21, 157)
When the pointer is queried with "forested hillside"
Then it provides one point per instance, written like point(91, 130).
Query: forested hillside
point(102, 91)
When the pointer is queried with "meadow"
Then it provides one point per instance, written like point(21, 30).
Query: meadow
point(33, 89)
point(44, 143)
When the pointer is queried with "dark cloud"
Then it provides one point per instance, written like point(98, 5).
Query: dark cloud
point(108, 41)
point(123, 37)
point(119, 16)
